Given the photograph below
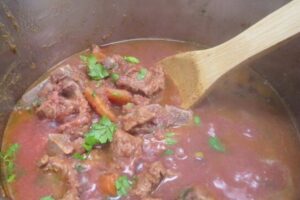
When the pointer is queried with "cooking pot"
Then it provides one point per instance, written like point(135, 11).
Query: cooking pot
point(37, 34)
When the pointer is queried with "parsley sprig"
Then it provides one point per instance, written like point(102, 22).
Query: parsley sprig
point(99, 133)
point(47, 198)
point(131, 59)
point(216, 144)
point(96, 71)
point(169, 139)
point(142, 74)
point(8, 159)
point(123, 185)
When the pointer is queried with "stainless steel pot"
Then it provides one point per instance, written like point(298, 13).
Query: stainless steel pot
point(34, 35)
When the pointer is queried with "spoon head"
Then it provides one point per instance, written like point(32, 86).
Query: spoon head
point(184, 72)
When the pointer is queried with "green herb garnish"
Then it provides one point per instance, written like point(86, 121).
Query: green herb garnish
point(78, 156)
point(123, 185)
point(131, 59)
point(8, 159)
point(96, 71)
point(170, 141)
point(170, 134)
point(169, 138)
point(47, 198)
point(142, 74)
point(216, 144)
point(197, 120)
point(99, 133)
point(168, 152)
point(115, 76)
point(79, 167)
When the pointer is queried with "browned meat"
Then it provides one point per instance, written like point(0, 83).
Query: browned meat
point(152, 82)
point(65, 168)
point(172, 116)
point(61, 143)
point(63, 101)
point(140, 100)
point(70, 195)
point(145, 119)
point(195, 193)
point(126, 145)
point(137, 116)
point(149, 180)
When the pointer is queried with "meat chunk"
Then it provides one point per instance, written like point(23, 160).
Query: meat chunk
point(126, 145)
point(152, 82)
point(65, 168)
point(63, 101)
point(195, 193)
point(172, 116)
point(58, 143)
point(140, 100)
point(149, 180)
point(138, 116)
point(145, 119)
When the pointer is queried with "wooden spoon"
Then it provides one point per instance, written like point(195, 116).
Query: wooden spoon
point(195, 72)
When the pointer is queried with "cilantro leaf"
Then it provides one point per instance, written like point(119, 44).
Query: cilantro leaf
point(11, 151)
point(78, 156)
point(100, 133)
point(115, 76)
point(96, 71)
point(79, 167)
point(47, 198)
point(168, 152)
point(142, 74)
point(170, 141)
point(216, 144)
point(8, 159)
point(197, 120)
point(123, 185)
point(131, 59)
point(169, 134)
point(169, 138)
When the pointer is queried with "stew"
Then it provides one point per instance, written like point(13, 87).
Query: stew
point(106, 124)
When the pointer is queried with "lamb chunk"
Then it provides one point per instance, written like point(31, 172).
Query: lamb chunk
point(61, 143)
point(63, 101)
point(140, 100)
point(138, 116)
point(70, 195)
point(126, 145)
point(195, 193)
point(145, 119)
point(149, 180)
point(172, 116)
point(158, 171)
point(56, 107)
point(65, 168)
point(153, 82)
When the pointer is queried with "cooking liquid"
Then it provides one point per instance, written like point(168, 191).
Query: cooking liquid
point(261, 159)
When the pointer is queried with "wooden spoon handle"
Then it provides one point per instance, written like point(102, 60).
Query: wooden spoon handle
point(268, 32)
